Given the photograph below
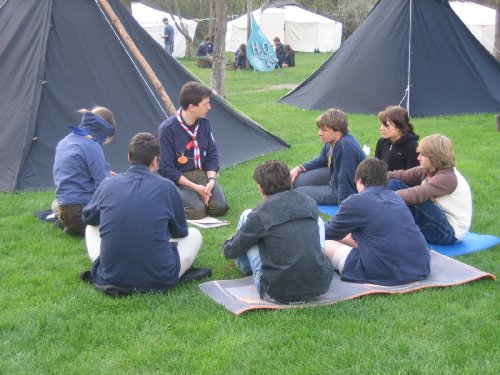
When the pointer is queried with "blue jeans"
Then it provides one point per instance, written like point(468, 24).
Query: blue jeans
point(429, 217)
point(250, 262)
point(169, 47)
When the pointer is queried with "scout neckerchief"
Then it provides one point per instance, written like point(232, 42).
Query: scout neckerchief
point(330, 153)
point(81, 131)
point(194, 142)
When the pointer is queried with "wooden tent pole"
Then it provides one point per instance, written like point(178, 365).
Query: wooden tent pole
point(137, 54)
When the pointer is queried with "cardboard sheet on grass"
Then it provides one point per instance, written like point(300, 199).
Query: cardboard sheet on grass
point(470, 243)
point(240, 295)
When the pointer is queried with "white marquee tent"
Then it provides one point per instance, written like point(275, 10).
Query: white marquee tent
point(151, 20)
point(480, 20)
point(303, 30)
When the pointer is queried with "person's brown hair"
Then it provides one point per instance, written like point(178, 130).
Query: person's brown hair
point(334, 119)
point(398, 116)
point(372, 172)
point(439, 149)
point(273, 176)
point(193, 93)
point(143, 148)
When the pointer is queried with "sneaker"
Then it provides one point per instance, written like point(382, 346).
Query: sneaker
point(195, 273)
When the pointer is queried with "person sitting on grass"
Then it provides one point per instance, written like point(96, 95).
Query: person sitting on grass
point(80, 166)
point(137, 235)
point(279, 49)
point(241, 57)
point(189, 155)
point(289, 57)
point(373, 237)
point(203, 47)
point(280, 241)
point(441, 203)
point(398, 144)
point(329, 178)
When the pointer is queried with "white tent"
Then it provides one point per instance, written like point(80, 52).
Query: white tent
point(479, 19)
point(151, 20)
point(302, 30)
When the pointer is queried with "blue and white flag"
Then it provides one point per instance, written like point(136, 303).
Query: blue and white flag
point(260, 52)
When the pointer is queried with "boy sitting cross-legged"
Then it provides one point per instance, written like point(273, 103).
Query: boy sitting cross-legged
point(280, 241)
point(373, 238)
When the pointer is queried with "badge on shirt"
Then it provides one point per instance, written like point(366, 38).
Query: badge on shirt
point(182, 159)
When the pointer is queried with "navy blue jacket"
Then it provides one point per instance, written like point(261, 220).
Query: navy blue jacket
point(202, 49)
point(173, 141)
point(138, 212)
point(280, 53)
point(168, 30)
point(346, 156)
point(391, 249)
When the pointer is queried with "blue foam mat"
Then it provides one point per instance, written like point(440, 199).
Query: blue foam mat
point(470, 243)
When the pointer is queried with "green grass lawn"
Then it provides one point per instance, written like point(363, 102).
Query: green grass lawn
point(51, 322)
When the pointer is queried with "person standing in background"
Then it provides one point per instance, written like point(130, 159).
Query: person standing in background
point(168, 36)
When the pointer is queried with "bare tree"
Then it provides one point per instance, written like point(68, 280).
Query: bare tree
point(219, 66)
point(353, 12)
point(211, 19)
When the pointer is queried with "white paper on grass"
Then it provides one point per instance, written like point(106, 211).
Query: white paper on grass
point(209, 222)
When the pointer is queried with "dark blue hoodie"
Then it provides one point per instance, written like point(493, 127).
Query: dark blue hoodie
point(79, 165)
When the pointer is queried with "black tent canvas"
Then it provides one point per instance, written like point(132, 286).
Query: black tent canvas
point(58, 56)
point(413, 53)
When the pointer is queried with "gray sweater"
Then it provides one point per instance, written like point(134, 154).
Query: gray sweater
point(294, 267)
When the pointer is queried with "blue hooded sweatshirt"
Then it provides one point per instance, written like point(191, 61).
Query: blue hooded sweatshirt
point(79, 165)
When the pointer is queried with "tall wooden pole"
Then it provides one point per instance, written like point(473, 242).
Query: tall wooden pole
point(137, 54)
